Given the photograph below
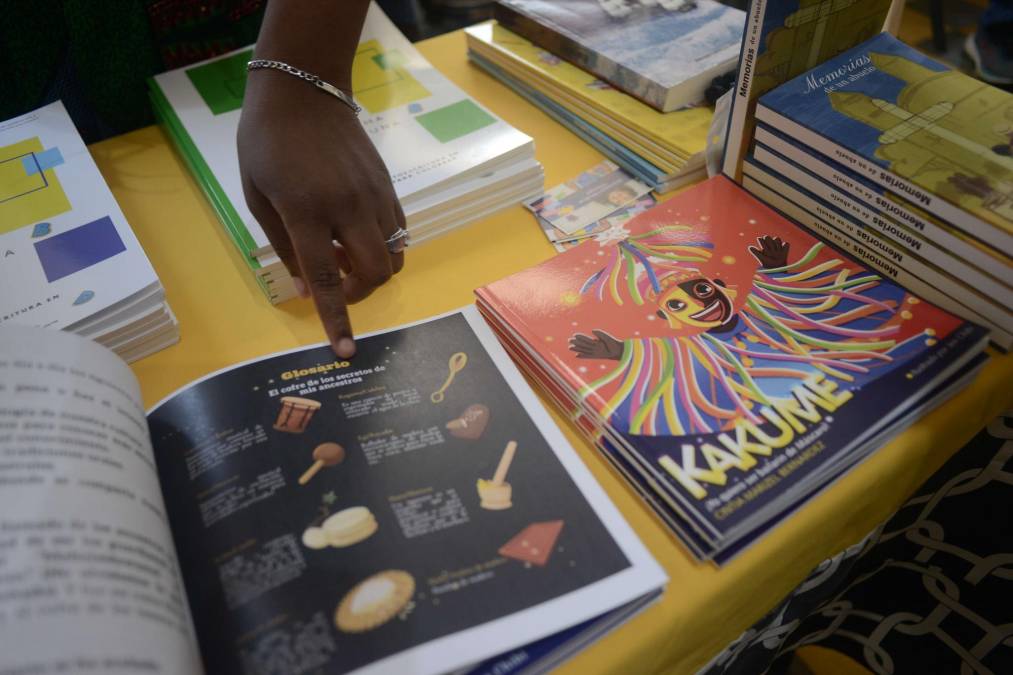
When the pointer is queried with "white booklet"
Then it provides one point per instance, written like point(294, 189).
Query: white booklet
point(413, 510)
point(428, 132)
point(66, 252)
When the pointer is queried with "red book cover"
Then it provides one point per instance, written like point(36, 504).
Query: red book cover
point(716, 338)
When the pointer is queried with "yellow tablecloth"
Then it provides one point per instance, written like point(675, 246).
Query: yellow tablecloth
point(225, 319)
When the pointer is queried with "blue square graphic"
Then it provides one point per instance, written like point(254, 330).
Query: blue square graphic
point(41, 161)
point(79, 249)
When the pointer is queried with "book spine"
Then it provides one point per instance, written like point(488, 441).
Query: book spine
point(907, 239)
point(559, 42)
point(891, 209)
point(832, 227)
point(639, 141)
point(602, 142)
point(888, 179)
point(641, 168)
point(737, 137)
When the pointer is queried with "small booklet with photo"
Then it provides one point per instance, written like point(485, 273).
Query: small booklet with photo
point(579, 203)
point(562, 242)
point(411, 510)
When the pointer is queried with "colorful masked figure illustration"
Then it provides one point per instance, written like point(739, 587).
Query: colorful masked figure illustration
point(734, 336)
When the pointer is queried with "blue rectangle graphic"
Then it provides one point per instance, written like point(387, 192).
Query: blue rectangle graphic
point(79, 249)
point(40, 161)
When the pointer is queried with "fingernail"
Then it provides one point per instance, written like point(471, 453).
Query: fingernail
point(346, 348)
point(300, 287)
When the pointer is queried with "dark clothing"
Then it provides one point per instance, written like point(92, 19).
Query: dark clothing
point(997, 22)
point(97, 55)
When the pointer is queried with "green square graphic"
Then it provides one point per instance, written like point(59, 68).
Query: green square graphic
point(390, 60)
point(455, 120)
point(222, 83)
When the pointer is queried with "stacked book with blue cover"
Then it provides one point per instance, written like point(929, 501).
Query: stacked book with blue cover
point(627, 78)
point(904, 161)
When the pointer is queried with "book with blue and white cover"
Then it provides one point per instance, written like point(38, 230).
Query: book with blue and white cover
point(665, 53)
point(929, 133)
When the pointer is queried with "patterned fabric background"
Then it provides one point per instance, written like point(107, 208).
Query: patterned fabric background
point(930, 591)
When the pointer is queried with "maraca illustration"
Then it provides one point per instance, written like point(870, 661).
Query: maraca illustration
point(325, 454)
point(457, 363)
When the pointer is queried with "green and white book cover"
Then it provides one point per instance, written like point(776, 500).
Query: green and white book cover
point(428, 132)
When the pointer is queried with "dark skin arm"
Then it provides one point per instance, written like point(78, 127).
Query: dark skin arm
point(310, 173)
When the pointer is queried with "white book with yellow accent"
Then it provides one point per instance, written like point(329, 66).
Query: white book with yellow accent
point(68, 258)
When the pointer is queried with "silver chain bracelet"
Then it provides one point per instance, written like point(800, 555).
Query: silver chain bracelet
point(256, 64)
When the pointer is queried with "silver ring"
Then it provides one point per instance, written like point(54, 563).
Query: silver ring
point(398, 241)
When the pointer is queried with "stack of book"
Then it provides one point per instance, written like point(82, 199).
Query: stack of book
point(732, 363)
point(451, 160)
point(906, 161)
point(68, 258)
point(628, 79)
point(728, 363)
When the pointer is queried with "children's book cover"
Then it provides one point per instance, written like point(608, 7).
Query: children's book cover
point(732, 351)
point(943, 131)
point(646, 48)
point(785, 38)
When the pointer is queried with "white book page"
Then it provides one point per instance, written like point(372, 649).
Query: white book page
point(89, 581)
point(66, 250)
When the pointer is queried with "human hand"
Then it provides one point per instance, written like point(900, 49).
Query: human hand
point(312, 177)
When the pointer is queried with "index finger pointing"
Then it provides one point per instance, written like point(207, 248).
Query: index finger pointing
point(319, 263)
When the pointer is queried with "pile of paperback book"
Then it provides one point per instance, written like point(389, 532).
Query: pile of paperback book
point(628, 78)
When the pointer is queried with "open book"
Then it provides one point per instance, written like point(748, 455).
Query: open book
point(413, 510)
